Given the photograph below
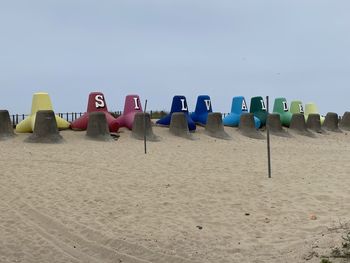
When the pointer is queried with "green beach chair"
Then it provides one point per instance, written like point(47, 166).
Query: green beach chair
point(258, 108)
point(296, 106)
point(311, 108)
point(280, 106)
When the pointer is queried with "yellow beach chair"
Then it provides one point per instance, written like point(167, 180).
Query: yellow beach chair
point(41, 101)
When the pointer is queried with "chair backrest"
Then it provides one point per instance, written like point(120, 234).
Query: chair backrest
point(280, 105)
point(203, 104)
point(296, 106)
point(311, 108)
point(96, 102)
point(257, 104)
point(239, 105)
point(132, 104)
point(179, 104)
point(41, 101)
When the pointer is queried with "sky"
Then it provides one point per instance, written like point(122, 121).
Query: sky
point(297, 49)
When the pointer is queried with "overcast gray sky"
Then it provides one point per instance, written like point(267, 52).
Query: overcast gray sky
point(298, 49)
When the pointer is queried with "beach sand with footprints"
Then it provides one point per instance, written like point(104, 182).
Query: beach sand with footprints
point(204, 200)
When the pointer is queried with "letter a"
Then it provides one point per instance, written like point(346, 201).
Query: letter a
point(244, 105)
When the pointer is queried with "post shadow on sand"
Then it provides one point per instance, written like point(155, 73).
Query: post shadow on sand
point(45, 128)
point(6, 129)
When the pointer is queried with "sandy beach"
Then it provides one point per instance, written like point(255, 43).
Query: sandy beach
point(206, 200)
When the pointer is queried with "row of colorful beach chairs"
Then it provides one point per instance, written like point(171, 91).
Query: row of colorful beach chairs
point(97, 103)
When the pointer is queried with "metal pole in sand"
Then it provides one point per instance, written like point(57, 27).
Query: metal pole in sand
point(144, 127)
point(268, 139)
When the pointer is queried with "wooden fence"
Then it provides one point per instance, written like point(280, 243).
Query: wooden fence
point(72, 116)
point(68, 116)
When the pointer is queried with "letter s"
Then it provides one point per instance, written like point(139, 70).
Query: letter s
point(99, 101)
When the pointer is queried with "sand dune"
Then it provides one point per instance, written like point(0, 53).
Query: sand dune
point(205, 200)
